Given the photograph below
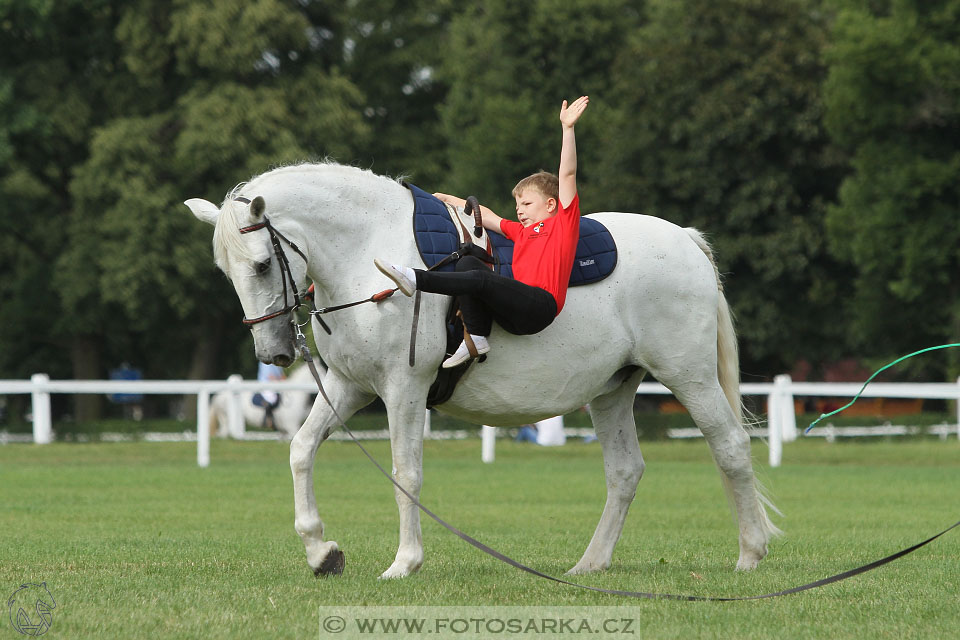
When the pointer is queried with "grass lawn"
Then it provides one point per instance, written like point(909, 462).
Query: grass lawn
point(134, 541)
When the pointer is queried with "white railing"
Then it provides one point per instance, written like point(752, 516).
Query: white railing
point(781, 427)
point(40, 386)
point(782, 420)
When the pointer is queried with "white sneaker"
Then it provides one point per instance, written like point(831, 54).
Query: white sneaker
point(405, 278)
point(463, 354)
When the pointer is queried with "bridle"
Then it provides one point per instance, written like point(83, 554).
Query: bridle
point(287, 276)
point(285, 273)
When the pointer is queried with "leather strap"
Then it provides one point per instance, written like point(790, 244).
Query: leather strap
point(413, 328)
point(468, 339)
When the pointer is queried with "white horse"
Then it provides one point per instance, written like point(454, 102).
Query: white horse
point(661, 311)
point(287, 416)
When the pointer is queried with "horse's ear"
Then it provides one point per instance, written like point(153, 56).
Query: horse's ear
point(258, 206)
point(204, 210)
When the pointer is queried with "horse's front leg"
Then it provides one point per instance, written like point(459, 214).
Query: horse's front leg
point(406, 416)
point(324, 557)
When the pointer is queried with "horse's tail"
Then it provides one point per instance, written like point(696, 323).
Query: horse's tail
point(728, 372)
point(728, 357)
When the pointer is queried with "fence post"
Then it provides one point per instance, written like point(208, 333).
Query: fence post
point(203, 427)
point(958, 412)
point(788, 414)
point(236, 425)
point(488, 441)
point(42, 427)
point(774, 428)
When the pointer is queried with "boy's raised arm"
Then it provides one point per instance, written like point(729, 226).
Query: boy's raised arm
point(568, 150)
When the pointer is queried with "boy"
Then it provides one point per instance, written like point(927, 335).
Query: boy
point(545, 243)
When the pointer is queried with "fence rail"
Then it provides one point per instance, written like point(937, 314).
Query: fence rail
point(780, 394)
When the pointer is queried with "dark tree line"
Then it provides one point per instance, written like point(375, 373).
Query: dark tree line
point(816, 143)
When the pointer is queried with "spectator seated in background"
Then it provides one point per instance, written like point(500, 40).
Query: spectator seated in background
point(268, 399)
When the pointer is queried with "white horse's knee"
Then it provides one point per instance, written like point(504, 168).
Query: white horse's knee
point(625, 477)
point(309, 526)
point(302, 453)
point(409, 479)
point(635, 469)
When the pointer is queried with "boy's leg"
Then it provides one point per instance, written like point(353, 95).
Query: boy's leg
point(517, 307)
point(467, 284)
point(477, 316)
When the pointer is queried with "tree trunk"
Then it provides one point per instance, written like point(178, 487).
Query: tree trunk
point(85, 357)
point(203, 365)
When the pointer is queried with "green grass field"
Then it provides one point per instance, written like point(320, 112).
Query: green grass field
point(134, 541)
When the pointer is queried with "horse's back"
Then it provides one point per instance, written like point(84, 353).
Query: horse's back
point(662, 290)
point(647, 241)
point(661, 272)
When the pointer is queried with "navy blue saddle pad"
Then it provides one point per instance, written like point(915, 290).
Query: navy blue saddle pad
point(595, 260)
point(433, 229)
point(437, 238)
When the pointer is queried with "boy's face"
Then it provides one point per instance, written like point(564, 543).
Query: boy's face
point(534, 207)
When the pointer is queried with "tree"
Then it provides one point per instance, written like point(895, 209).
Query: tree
point(893, 103)
point(56, 62)
point(392, 52)
point(715, 121)
point(116, 115)
point(509, 66)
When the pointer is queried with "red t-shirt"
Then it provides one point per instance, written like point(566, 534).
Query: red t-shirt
point(543, 253)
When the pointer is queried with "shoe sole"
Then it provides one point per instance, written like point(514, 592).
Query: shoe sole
point(400, 281)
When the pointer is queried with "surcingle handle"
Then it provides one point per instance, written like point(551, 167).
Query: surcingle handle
point(473, 206)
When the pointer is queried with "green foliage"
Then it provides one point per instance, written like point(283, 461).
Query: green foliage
point(893, 102)
point(815, 143)
point(117, 114)
point(393, 50)
point(716, 122)
point(509, 67)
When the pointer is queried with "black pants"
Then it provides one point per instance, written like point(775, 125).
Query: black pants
point(485, 296)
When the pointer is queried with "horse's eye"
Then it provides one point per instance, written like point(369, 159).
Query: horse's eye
point(262, 267)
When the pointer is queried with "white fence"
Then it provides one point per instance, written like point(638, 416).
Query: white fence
point(782, 420)
point(781, 427)
point(40, 386)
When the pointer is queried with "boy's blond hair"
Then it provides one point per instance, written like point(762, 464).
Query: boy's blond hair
point(548, 184)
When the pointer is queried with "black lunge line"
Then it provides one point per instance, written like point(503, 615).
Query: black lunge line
point(308, 358)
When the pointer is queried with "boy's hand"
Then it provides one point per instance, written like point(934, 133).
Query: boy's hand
point(570, 114)
point(443, 197)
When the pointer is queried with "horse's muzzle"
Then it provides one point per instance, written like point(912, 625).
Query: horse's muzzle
point(282, 360)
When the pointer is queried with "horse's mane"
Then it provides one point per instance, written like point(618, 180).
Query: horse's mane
point(226, 235)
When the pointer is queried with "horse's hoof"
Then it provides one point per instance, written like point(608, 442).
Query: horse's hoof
point(332, 565)
point(747, 565)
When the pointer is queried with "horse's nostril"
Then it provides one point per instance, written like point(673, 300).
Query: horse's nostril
point(283, 360)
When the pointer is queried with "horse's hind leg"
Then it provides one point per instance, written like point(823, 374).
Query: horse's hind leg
point(730, 446)
point(612, 416)
point(405, 414)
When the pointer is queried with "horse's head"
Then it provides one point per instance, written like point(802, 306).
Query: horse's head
point(266, 269)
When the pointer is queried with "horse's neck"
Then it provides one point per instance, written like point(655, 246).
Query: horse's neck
point(347, 221)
